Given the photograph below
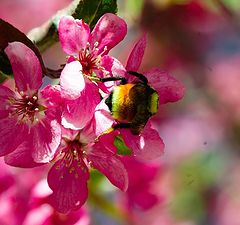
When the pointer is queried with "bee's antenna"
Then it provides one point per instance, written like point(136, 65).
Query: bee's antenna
point(139, 75)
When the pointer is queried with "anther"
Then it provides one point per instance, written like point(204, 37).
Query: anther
point(90, 163)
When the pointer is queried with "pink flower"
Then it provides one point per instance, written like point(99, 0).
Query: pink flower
point(141, 176)
point(87, 53)
point(87, 50)
point(148, 144)
point(77, 153)
point(28, 120)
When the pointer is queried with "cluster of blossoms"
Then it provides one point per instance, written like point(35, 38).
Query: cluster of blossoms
point(70, 125)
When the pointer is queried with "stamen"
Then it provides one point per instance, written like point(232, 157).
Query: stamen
point(25, 107)
point(90, 164)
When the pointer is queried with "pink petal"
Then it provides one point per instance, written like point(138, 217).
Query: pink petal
point(73, 34)
point(26, 67)
point(69, 188)
point(5, 94)
point(168, 87)
point(114, 69)
point(141, 175)
point(22, 156)
point(110, 165)
point(136, 55)
point(12, 134)
point(103, 118)
point(144, 199)
point(101, 121)
point(113, 66)
point(148, 145)
point(46, 137)
point(69, 133)
point(77, 113)
point(52, 95)
point(109, 31)
point(72, 80)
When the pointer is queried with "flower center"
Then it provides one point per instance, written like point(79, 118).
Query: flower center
point(26, 108)
point(90, 59)
point(74, 156)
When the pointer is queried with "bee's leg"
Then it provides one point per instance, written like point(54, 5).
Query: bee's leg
point(106, 79)
point(139, 75)
point(111, 129)
point(121, 125)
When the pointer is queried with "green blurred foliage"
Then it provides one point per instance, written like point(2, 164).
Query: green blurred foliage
point(195, 178)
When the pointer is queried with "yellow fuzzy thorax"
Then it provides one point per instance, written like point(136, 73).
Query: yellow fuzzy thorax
point(122, 102)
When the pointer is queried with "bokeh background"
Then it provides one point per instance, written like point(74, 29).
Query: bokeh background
point(196, 181)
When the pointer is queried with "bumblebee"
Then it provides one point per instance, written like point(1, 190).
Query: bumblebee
point(132, 104)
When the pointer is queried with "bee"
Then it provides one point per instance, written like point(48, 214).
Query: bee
point(132, 104)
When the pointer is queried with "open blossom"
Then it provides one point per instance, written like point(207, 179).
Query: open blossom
point(87, 53)
point(29, 121)
point(148, 144)
point(88, 50)
point(76, 155)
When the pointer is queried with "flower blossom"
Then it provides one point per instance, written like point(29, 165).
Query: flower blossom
point(87, 55)
point(75, 156)
point(28, 119)
point(88, 50)
point(148, 144)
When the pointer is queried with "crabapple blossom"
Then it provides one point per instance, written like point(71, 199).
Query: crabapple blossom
point(87, 53)
point(148, 144)
point(88, 50)
point(29, 121)
point(77, 153)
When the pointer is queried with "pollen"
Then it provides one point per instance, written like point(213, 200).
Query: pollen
point(25, 107)
point(90, 58)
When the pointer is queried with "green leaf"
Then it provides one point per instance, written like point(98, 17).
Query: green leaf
point(122, 149)
point(91, 10)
